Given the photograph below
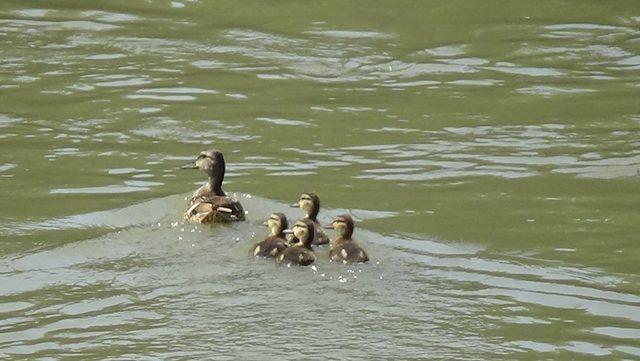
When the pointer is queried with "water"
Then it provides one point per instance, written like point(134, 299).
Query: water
point(488, 150)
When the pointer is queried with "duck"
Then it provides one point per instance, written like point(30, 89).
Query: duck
point(344, 248)
point(310, 205)
point(210, 203)
point(300, 252)
point(275, 243)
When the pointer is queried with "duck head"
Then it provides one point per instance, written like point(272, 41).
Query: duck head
point(277, 223)
point(303, 230)
point(343, 224)
point(212, 163)
point(310, 204)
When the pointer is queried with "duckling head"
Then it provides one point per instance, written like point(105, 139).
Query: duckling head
point(304, 231)
point(277, 223)
point(343, 224)
point(310, 204)
point(212, 163)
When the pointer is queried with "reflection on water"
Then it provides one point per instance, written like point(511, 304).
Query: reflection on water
point(489, 153)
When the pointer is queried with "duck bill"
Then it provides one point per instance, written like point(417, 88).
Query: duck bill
point(328, 226)
point(288, 231)
point(191, 165)
point(265, 223)
point(294, 205)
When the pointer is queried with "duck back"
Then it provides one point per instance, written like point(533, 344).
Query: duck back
point(296, 255)
point(206, 209)
point(348, 252)
point(272, 246)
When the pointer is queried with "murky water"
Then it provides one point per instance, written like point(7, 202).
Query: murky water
point(490, 152)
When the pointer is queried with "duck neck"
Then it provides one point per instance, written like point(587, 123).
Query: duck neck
point(312, 213)
point(347, 233)
point(215, 184)
point(303, 242)
point(276, 231)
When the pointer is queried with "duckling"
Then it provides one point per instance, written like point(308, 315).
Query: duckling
point(344, 249)
point(300, 252)
point(275, 242)
point(209, 203)
point(310, 204)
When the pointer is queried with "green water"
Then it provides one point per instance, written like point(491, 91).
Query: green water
point(489, 150)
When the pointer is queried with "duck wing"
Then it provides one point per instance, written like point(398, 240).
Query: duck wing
point(205, 209)
point(348, 252)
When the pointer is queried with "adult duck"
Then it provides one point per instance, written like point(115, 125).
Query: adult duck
point(210, 203)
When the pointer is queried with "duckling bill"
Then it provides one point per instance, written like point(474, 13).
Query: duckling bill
point(310, 205)
point(300, 252)
point(210, 203)
point(275, 243)
point(344, 248)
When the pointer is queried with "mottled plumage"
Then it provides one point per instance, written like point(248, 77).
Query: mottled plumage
point(300, 252)
point(275, 243)
point(310, 204)
point(344, 248)
point(210, 203)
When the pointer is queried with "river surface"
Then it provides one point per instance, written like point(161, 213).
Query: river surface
point(489, 151)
